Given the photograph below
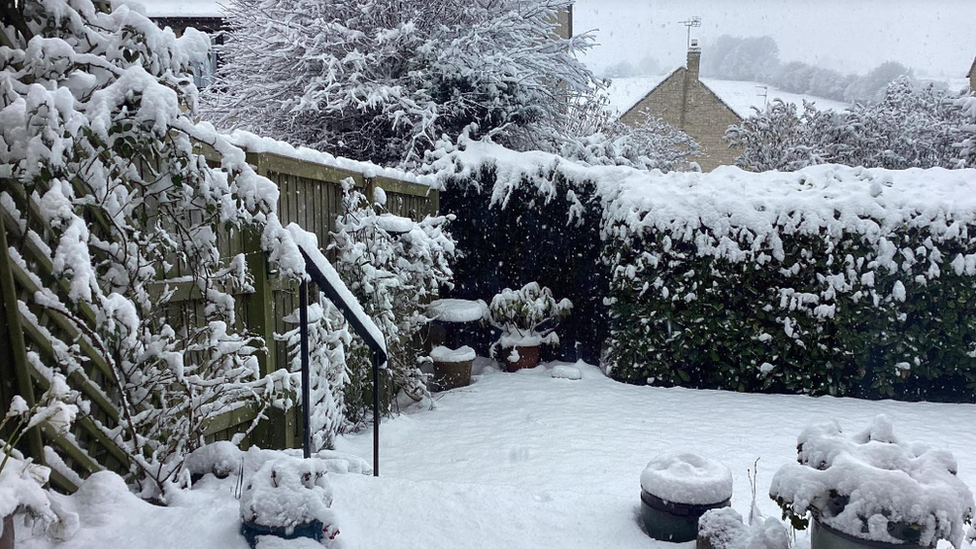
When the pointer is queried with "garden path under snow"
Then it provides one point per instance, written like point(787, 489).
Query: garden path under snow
point(526, 460)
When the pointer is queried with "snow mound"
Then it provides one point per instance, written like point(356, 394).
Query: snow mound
point(724, 529)
point(457, 310)
point(223, 458)
point(289, 492)
point(394, 224)
point(566, 372)
point(872, 485)
point(446, 354)
point(687, 478)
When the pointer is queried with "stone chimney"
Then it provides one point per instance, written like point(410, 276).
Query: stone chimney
point(694, 59)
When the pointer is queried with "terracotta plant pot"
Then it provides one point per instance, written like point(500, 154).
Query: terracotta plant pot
point(7, 538)
point(528, 357)
point(825, 537)
point(451, 375)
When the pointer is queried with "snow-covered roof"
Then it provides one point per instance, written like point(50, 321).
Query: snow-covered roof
point(184, 8)
point(741, 97)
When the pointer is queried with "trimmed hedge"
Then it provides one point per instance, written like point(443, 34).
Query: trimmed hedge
point(827, 281)
point(679, 318)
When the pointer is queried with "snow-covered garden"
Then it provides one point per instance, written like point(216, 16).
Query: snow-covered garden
point(525, 460)
point(576, 333)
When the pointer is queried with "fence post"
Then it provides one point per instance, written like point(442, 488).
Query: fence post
point(13, 346)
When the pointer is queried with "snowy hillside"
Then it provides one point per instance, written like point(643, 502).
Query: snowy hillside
point(741, 97)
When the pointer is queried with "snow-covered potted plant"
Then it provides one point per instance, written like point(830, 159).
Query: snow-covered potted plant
point(677, 489)
point(872, 490)
point(21, 481)
point(527, 319)
point(289, 498)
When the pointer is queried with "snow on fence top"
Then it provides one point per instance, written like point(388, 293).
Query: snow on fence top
point(257, 144)
point(745, 213)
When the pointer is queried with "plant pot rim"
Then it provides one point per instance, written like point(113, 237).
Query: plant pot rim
point(817, 523)
point(680, 509)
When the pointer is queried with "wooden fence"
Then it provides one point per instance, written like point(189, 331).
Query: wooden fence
point(310, 195)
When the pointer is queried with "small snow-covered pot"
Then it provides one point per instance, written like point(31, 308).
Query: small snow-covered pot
point(677, 489)
point(457, 322)
point(288, 498)
point(452, 367)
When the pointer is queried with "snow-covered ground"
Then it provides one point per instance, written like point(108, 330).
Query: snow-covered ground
point(740, 96)
point(526, 460)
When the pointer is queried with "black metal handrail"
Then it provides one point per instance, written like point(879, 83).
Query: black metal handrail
point(377, 346)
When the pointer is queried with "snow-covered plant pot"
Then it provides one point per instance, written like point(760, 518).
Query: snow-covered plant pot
point(452, 367)
point(527, 319)
point(457, 322)
point(677, 489)
point(872, 489)
point(289, 498)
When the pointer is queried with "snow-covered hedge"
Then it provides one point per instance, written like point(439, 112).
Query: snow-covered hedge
point(829, 280)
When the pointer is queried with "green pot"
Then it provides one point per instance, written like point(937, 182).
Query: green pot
point(825, 537)
point(674, 522)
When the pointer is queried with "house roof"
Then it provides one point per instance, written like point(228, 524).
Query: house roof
point(740, 97)
point(972, 69)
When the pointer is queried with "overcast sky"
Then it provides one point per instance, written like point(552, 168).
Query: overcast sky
point(934, 37)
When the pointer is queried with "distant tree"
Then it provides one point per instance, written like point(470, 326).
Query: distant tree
point(383, 80)
point(733, 58)
point(966, 154)
point(872, 86)
point(648, 66)
point(757, 58)
point(606, 141)
point(622, 69)
point(909, 127)
point(782, 138)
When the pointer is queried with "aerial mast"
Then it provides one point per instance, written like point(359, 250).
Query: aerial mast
point(695, 22)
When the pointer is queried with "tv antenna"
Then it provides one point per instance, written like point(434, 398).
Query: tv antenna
point(695, 22)
point(763, 91)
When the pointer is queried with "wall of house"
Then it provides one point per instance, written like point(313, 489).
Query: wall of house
point(705, 116)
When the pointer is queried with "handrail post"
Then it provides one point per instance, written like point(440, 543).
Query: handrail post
point(306, 376)
point(376, 414)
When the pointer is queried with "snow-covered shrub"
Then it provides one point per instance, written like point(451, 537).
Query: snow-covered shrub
point(328, 339)
point(97, 134)
point(383, 80)
point(874, 486)
point(909, 128)
point(966, 156)
point(21, 481)
point(289, 493)
point(394, 266)
point(527, 317)
point(597, 137)
point(829, 280)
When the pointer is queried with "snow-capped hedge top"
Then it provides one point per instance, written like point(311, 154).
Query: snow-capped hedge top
point(688, 479)
point(872, 485)
point(745, 213)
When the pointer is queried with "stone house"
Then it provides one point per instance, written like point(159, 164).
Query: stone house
point(972, 76)
point(682, 100)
